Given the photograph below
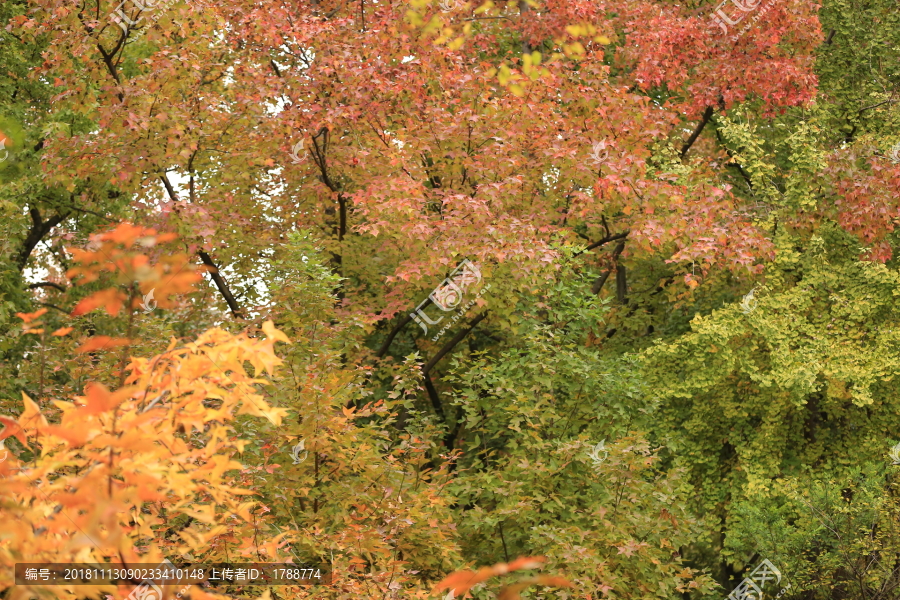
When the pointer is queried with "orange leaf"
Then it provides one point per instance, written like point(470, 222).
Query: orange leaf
point(461, 581)
point(74, 436)
point(12, 427)
point(31, 416)
point(100, 342)
point(553, 580)
point(522, 563)
point(99, 399)
point(62, 331)
point(511, 592)
point(111, 299)
point(29, 317)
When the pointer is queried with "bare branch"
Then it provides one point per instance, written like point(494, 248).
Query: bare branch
point(39, 228)
point(599, 283)
point(47, 284)
point(455, 340)
point(605, 240)
point(221, 284)
point(217, 278)
point(707, 115)
point(397, 328)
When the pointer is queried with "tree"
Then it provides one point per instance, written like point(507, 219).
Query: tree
point(619, 173)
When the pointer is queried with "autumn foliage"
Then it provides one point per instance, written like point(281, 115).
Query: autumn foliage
point(221, 219)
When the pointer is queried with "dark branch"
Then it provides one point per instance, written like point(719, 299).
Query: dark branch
point(621, 285)
point(429, 386)
point(606, 240)
point(734, 164)
point(39, 228)
point(319, 154)
point(453, 342)
point(91, 212)
point(275, 67)
point(169, 189)
point(397, 329)
point(707, 115)
point(435, 399)
point(601, 281)
point(65, 312)
point(221, 284)
point(47, 284)
point(217, 278)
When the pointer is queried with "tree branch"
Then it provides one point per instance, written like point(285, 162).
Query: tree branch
point(221, 284)
point(397, 328)
point(453, 342)
point(39, 228)
point(734, 164)
point(605, 240)
point(217, 278)
point(65, 312)
point(319, 155)
point(621, 284)
point(599, 283)
point(47, 284)
point(429, 386)
point(435, 399)
point(707, 115)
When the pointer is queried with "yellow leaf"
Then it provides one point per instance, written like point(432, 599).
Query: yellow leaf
point(484, 7)
point(31, 416)
point(274, 334)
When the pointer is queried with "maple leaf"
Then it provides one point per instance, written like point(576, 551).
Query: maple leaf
point(29, 317)
point(98, 399)
point(110, 299)
point(11, 427)
point(101, 342)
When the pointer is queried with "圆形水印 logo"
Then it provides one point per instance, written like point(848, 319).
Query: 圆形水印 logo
point(594, 454)
point(4, 153)
point(895, 455)
point(147, 590)
point(149, 305)
point(296, 158)
point(751, 588)
point(724, 15)
point(4, 451)
point(449, 295)
point(749, 302)
point(296, 450)
point(895, 153)
point(121, 18)
point(599, 153)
